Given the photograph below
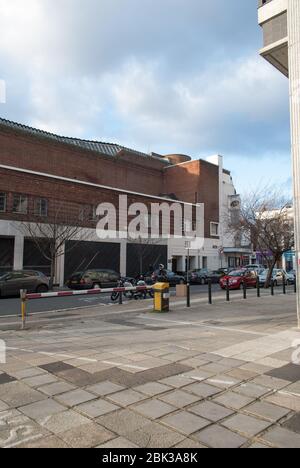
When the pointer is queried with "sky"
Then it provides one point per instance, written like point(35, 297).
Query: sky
point(164, 76)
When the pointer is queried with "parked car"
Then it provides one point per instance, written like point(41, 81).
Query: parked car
point(238, 278)
point(215, 276)
point(94, 279)
point(291, 276)
point(199, 276)
point(172, 278)
point(255, 266)
point(279, 276)
point(33, 281)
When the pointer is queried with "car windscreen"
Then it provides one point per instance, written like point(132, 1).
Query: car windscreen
point(236, 273)
point(77, 276)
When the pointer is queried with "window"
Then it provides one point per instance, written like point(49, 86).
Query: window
point(2, 202)
point(41, 207)
point(214, 229)
point(88, 213)
point(20, 204)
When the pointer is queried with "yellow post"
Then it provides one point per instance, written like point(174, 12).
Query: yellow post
point(23, 307)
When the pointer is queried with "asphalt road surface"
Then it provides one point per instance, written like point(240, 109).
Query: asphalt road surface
point(11, 306)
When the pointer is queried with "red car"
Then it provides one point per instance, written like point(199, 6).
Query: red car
point(238, 278)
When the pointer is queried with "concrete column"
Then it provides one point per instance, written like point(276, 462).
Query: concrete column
point(294, 74)
point(19, 252)
point(123, 257)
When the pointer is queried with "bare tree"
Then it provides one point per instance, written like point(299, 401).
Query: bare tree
point(51, 236)
point(141, 247)
point(265, 221)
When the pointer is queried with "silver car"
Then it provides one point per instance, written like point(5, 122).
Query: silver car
point(32, 281)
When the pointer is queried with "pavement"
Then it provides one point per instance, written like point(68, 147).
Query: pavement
point(123, 377)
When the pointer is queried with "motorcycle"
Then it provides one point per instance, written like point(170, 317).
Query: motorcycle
point(143, 294)
point(124, 283)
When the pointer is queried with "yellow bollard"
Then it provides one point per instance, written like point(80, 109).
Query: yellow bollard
point(23, 307)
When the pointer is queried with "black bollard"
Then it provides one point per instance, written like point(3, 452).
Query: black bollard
point(258, 287)
point(272, 287)
point(284, 286)
point(120, 298)
point(209, 291)
point(188, 297)
point(245, 290)
point(227, 291)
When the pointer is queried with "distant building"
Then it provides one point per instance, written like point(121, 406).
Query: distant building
point(40, 170)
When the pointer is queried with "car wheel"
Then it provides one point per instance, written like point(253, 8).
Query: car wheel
point(42, 288)
point(181, 281)
point(96, 286)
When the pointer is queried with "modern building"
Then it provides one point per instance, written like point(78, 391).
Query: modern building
point(41, 172)
point(280, 21)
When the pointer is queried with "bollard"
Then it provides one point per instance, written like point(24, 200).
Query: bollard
point(188, 295)
point(23, 293)
point(245, 290)
point(209, 291)
point(120, 298)
point(272, 287)
point(258, 287)
point(295, 286)
point(284, 286)
point(227, 291)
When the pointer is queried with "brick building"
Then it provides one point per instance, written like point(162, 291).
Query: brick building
point(40, 172)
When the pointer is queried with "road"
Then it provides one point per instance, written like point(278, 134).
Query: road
point(11, 306)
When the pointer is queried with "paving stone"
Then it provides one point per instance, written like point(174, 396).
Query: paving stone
point(293, 388)
point(185, 422)
point(270, 382)
point(39, 380)
point(189, 444)
point(42, 409)
point(293, 423)
point(96, 408)
point(31, 372)
point(177, 381)
point(86, 436)
point(223, 381)
point(179, 398)
point(252, 390)
point(77, 377)
point(215, 368)
point(48, 442)
point(3, 406)
point(220, 437)
point(163, 372)
point(123, 421)
point(199, 375)
point(120, 377)
point(56, 388)
point(259, 369)
point(257, 445)
point(233, 400)
point(18, 394)
point(291, 373)
point(231, 362)
point(241, 374)
point(104, 388)
point(153, 388)
point(127, 397)
point(75, 397)
point(282, 438)
point(267, 411)
point(15, 429)
point(202, 390)
point(120, 442)
point(154, 436)
point(246, 425)
point(5, 378)
point(211, 411)
point(286, 400)
point(64, 421)
point(154, 409)
point(56, 367)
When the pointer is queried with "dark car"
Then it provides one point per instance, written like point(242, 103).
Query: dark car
point(236, 279)
point(215, 276)
point(172, 278)
point(94, 279)
point(199, 276)
point(32, 281)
